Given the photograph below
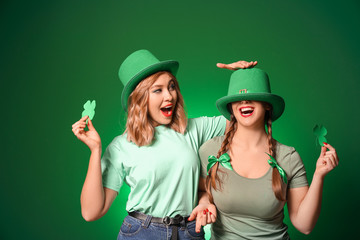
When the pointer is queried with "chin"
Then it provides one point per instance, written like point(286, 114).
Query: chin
point(163, 121)
point(167, 122)
point(247, 122)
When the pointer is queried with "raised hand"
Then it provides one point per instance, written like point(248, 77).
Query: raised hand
point(91, 138)
point(237, 65)
point(327, 161)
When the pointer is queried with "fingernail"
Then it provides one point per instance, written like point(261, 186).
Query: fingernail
point(207, 210)
point(324, 143)
point(189, 219)
point(210, 213)
point(204, 212)
point(197, 231)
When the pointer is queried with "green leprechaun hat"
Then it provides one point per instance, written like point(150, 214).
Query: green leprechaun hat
point(139, 65)
point(250, 84)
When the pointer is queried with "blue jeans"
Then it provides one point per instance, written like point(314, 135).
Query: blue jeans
point(135, 229)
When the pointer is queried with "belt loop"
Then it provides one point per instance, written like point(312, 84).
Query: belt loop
point(183, 223)
point(147, 221)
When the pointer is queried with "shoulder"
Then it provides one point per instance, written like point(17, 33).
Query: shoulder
point(213, 142)
point(284, 150)
point(120, 149)
point(211, 147)
point(290, 160)
point(118, 142)
point(287, 156)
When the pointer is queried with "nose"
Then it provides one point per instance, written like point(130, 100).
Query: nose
point(168, 96)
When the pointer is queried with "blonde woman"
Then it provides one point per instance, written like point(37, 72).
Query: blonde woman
point(157, 156)
point(250, 176)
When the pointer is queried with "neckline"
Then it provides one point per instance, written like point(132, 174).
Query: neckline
point(251, 179)
point(161, 127)
point(254, 179)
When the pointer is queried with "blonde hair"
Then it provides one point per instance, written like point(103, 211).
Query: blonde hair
point(139, 126)
point(214, 181)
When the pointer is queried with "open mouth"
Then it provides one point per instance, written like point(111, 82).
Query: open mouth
point(246, 111)
point(167, 110)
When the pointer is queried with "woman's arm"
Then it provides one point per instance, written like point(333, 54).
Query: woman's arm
point(204, 212)
point(95, 199)
point(304, 203)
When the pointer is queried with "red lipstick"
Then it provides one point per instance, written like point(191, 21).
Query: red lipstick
point(246, 111)
point(167, 110)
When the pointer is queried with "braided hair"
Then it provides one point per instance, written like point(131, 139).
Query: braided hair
point(213, 180)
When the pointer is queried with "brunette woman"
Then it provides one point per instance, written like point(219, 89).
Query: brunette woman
point(250, 176)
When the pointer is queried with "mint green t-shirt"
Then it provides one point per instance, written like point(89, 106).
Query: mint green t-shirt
point(163, 177)
point(247, 207)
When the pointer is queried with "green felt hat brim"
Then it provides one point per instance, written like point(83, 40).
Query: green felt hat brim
point(276, 101)
point(169, 65)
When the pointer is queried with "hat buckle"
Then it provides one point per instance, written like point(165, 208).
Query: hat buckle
point(243, 91)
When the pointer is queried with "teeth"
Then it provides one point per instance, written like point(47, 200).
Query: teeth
point(167, 107)
point(167, 110)
point(246, 109)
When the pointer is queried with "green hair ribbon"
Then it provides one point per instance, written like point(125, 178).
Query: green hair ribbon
point(224, 160)
point(273, 163)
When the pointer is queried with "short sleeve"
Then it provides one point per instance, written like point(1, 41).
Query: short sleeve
point(112, 176)
point(298, 172)
point(209, 127)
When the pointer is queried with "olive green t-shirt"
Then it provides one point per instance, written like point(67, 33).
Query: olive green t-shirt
point(247, 207)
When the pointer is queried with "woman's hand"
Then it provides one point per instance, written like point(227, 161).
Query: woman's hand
point(204, 214)
point(304, 203)
point(91, 138)
point(327, 161)
point(237, 65)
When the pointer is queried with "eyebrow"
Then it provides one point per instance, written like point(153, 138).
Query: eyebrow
point(160, 85)
point(156, 86)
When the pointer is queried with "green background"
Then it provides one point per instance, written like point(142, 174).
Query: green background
point(55, 55)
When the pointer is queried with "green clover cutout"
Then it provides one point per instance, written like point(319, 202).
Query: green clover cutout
point(320, 133)
point(89, 110)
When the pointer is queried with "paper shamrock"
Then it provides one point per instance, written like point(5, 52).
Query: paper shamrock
point(320, 133)
point(89, 109)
